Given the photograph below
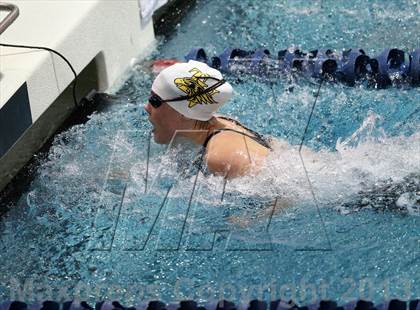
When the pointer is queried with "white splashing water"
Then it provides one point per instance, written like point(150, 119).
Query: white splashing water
point(361, 162)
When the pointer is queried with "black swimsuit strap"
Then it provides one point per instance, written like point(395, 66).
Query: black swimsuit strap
point(261, 139)
point(257, 137)
point(198, 161)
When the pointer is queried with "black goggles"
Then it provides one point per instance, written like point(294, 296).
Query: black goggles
point(156, 101)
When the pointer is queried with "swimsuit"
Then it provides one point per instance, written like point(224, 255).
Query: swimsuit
point(199, 160)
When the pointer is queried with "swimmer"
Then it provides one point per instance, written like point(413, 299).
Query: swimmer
point(183, 102)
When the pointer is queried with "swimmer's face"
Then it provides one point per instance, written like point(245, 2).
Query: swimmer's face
point(165, 121)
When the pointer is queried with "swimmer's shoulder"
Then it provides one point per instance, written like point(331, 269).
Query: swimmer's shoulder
point(239, 137)
point(232, 154)
point(225, 159)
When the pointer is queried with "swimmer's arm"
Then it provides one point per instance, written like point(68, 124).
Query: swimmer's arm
point(233, 158)
point(227, 164)
point(232, 161)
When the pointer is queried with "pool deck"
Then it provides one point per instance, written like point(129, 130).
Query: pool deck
point(99, 38)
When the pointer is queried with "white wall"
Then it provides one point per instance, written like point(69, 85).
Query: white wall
point(80, 30)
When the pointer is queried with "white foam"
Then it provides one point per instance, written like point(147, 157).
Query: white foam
point(362, 160)
point(410, 201)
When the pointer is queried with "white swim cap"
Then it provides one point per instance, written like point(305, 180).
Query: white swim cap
point(189, 79)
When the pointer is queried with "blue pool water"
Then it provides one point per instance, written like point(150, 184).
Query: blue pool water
point(91, 227)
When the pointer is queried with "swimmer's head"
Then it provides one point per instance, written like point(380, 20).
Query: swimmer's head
point(185, 92)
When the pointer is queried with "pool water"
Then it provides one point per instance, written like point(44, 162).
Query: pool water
point(340, 220)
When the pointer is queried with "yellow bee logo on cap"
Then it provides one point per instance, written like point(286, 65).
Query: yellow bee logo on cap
point(194, 86)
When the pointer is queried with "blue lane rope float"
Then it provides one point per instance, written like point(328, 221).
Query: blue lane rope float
point(394, 304)
point(352, 66)
point(324, 61)
point(414, 67)
point(390, 63)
